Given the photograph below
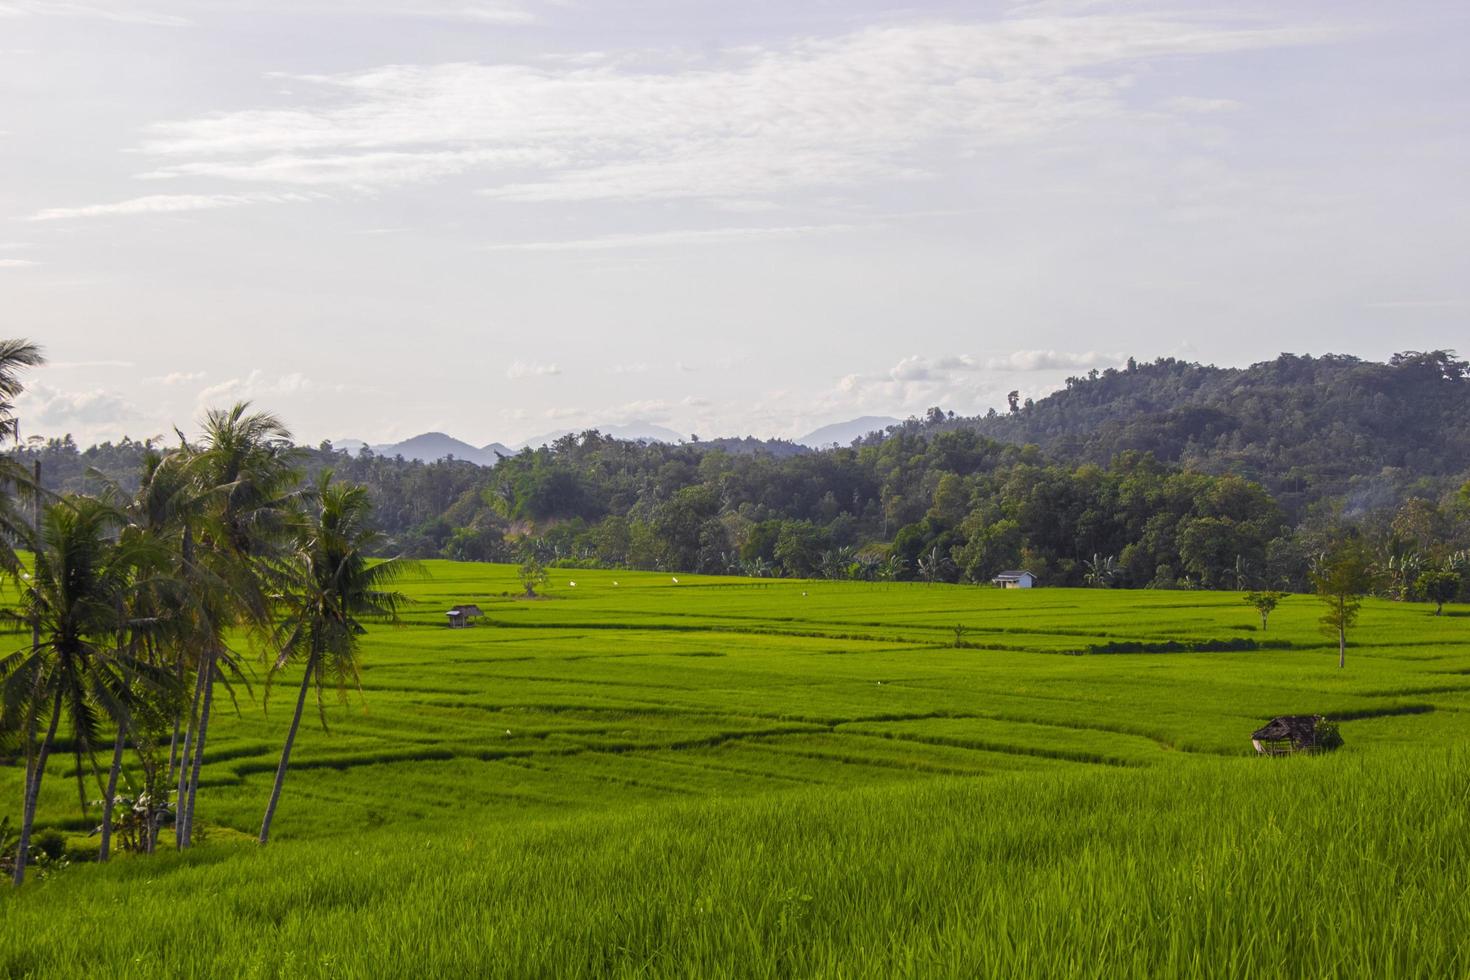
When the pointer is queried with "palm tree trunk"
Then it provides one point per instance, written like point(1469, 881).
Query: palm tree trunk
point(181, 800)
point(173, 743)
point(1341, 648)
point(173, 749)
point(104, 850)
point(151, 786)
point(270, 809)
point(33, 794)
point(199, 745)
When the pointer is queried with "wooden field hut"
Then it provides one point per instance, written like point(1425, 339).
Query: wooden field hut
point(463, 616)
point(1296, 733)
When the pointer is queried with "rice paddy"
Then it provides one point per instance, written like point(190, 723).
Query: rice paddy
point(634, 776)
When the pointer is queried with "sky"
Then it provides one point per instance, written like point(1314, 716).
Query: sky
point(496, 218)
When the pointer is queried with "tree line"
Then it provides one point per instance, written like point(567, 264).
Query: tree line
point(937, 499)
point(946, 506)
point(135, 600)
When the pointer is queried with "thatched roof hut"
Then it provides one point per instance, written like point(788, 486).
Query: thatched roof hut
point(460, 616)
point(1296, 733)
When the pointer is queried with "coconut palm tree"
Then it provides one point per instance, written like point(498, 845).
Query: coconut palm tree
point(244, 477)
point(75, 600)
point(16, 483)
point(332, 588)
point(160, 616)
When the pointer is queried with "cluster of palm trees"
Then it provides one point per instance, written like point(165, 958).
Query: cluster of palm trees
point(137, 603)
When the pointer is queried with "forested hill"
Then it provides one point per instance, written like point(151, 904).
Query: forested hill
point(1305, 427)
point(1166, 474)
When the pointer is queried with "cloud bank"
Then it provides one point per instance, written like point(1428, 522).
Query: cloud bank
point(741, 125)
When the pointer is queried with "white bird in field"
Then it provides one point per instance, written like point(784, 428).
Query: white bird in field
point(803, 593)
point(572, 584)
point(676, 581)
point(507, 731)
point(615, 582)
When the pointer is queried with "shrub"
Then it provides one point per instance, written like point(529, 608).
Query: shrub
point(1327, 735)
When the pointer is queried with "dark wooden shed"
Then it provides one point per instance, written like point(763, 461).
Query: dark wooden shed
point(1296, 733)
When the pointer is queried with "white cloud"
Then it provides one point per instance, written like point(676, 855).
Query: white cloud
point(959, 382)
point(126, 12)
point(353, 171)
point(17, 263)
point(912, 368)
point(177, 378)
point(529, 369)
point(165, 204)
point(741, 125)
point(68, 365)
point(1414, 304)
point(44, 409)
point(1052, 360)
point(918, 368)
point(252, 386)
point(121, 12)
point(1190, 103)
point(708, 236)
point(483, 13)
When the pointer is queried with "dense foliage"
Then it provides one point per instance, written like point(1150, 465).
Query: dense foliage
point(135, 595)
point(1307, 428)
point(1166, 474)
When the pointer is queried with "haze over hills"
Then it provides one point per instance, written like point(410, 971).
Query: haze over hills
point(634, 431)
point(430, 446)
point(843, 433)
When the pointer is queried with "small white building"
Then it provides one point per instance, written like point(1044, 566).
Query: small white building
point(1019, 579)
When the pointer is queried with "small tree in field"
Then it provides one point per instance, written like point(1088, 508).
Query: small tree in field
point(1342, 578)
point(533, 575)
point(1438, 587)
point(1265, 603)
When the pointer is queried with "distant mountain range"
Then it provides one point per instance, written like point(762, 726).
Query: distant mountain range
point(431, 446)
point(632, 432)
point(843, 433)
point(428, 447)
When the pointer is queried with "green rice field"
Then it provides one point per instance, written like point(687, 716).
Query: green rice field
point(637, 776)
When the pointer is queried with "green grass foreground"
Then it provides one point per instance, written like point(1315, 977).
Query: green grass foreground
point(725, 777)
point(1305, 868)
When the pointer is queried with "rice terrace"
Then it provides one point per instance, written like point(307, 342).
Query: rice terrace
point(634, 776)
point(687, 489)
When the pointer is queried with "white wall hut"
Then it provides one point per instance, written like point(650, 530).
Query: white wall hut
point(1017, 579)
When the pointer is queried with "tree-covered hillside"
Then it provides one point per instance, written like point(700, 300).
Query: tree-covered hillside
point(1166, 475)
point(1305, 427)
